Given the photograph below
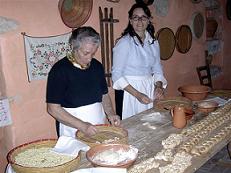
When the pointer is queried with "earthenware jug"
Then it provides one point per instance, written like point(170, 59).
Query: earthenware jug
point(178, 117)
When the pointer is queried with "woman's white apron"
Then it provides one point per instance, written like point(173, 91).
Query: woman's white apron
point(131, 106)
point(92, 113)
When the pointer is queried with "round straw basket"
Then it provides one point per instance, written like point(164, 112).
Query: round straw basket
point(63, 168)
point(106, 134)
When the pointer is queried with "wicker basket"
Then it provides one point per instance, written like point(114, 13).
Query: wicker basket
point(63, 168)
point(105, 133)
point(168, 103)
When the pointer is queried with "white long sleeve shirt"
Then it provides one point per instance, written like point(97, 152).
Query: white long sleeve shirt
point(130, 58)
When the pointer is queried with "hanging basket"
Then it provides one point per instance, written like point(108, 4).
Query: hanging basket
point(183, 39)
point(211, 27)
point(197, 24)
point(75, 13)
point(147, 2)
point(167, 42)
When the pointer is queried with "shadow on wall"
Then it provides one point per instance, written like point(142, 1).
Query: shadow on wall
point(2, 80)
point(5, 26)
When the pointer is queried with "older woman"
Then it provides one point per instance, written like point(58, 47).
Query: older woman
point(136, 65)
point(77, 93)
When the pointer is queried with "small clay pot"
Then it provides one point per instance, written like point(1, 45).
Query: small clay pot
point(188, 113)
point(207, 106)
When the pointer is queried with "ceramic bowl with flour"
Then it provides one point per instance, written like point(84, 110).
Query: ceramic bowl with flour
point(112, 155)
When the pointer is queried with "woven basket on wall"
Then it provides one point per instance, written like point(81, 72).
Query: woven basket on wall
point(105, 133)
point(63, 168)
point(183, 38)
point(75, 13)
point(167, 42)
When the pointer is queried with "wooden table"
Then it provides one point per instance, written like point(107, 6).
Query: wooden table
point(148, 140)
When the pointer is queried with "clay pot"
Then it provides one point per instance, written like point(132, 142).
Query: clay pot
point(211, 27)
point(188, 113)
point(179, 117)
point(194, 92)
point(207, 106)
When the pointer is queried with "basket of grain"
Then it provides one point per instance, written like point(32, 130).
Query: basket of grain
point(106, 134)
point(36, 157)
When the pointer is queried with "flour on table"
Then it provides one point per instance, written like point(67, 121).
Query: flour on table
point(154, 117)
point(149, 125)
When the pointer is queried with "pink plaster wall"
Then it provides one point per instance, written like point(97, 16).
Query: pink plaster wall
point(180, 68)
point(41, 18)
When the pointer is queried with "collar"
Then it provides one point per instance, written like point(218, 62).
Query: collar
point(71, 58)
point(148, 39)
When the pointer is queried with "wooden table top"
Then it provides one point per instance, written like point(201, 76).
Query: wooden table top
point(147, 138)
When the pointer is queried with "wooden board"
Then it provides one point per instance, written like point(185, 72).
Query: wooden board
point(148, 141)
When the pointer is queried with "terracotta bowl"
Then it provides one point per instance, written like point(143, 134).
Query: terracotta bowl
point(207, 106)
point(188, 113)
point(126, 161)
point(194, 92)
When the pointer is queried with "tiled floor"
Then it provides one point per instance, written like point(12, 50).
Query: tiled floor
point(220, 163)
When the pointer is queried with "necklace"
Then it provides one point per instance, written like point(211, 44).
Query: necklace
point(72, 59)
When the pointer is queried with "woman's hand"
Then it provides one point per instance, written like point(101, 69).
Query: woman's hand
point(143, 98)
point(159, 93)
point(88, 129)
point(114, 120)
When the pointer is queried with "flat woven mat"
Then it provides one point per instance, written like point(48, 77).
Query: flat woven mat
point(105, 134)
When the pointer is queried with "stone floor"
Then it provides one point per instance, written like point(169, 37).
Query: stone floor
point(220, 163)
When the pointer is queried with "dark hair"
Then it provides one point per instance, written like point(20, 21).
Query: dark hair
point(82, 34)
point(130, 30)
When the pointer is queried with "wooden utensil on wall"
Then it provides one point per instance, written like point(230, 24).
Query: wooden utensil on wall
point(107, 43)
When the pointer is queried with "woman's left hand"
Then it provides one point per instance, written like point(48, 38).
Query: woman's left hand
point(159, 93)
point(114, 120)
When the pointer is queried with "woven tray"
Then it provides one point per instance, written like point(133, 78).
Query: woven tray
point(226, 94)
point(64, 168)
point(169, 102)
point(75, 13)
point(167, 42)
point(106, 134)
point(183, 38)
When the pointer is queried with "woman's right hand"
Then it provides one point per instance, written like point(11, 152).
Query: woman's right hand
point(143, 98)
